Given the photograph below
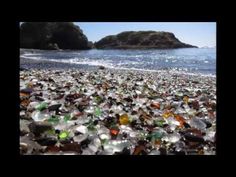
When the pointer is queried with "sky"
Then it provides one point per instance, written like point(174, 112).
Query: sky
point(200, 34)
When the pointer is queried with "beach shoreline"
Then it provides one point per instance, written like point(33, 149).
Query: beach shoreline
point(44, 65)
point(145, 97)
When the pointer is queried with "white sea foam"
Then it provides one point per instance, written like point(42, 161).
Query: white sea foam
point(30, 54)
point(31, 57)
point(141, 61)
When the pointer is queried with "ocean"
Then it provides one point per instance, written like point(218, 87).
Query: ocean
point(191, 60)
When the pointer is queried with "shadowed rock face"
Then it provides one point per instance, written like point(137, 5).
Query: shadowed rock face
point(141, 39)
point(52, 36)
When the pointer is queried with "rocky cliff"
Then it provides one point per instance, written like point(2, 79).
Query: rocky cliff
point(141, 39)
point(52, 36)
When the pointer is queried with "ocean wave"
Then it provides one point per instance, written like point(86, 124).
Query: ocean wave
point(150, 61)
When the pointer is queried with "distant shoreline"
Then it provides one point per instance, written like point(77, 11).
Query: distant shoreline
point(141, 48)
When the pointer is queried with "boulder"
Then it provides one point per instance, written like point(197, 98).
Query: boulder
point(53, 46)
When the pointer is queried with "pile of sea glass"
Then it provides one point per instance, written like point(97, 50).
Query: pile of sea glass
point(104, 112)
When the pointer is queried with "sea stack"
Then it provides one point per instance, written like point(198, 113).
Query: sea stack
point(141, 40)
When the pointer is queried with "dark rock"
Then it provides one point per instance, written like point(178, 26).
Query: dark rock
point(95, 122)
point(165, 125)
point(84, 144)
point(142, 142)
point(128, 99)
point(109, 121)
point(51, 80)
point(51, 46)
point(193, 138)
point(186, 125)
point(57, 131)
point(72, 97)
point(39, 127)
point(133, 123)
point(101, 67)
point(134, 112)
point(27, 90)
point(46, 141)
point(141, 40)
point(39, 98)
point(163, 151)
point(52, 36)
point(198, 92)
point(54, 107)
point(71, 147)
